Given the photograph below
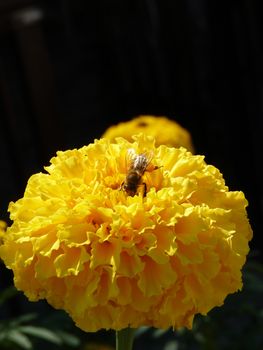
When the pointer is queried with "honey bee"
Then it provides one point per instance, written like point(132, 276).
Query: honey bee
point(137, 165)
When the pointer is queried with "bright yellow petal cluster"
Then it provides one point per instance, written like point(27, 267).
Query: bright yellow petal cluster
point(3, 226)
point(165, 131)
point(112, 260)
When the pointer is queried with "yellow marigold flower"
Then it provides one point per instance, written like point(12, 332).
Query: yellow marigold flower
point(112, 260)
point(165, 131)
point(3, 226)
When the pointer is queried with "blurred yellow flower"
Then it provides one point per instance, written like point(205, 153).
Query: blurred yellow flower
point(165, 131)
point(112, 260)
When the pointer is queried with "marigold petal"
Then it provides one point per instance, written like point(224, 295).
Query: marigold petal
point(130, 264)
point(154, 278)
point(105, 253)
point(70, 261)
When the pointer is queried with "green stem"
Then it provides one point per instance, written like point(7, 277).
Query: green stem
point(124, 339)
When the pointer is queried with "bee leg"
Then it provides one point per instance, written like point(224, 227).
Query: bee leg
point(144, 189)
point(121, 188)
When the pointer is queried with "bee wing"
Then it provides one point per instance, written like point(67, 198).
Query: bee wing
point(138, 161)
point(130, 158)
point(142, 160)
point(148, 155)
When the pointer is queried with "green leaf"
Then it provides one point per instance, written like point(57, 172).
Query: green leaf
point(141, 330)
point(42, 333)
point(69, 339)
point(3, 333)
point(22, 319)
point(159, 332)
point(171, 345)
point(19, 339)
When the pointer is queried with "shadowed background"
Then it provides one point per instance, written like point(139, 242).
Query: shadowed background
point(69, 69)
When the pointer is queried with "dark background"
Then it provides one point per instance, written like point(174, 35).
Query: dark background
point(69, 69)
